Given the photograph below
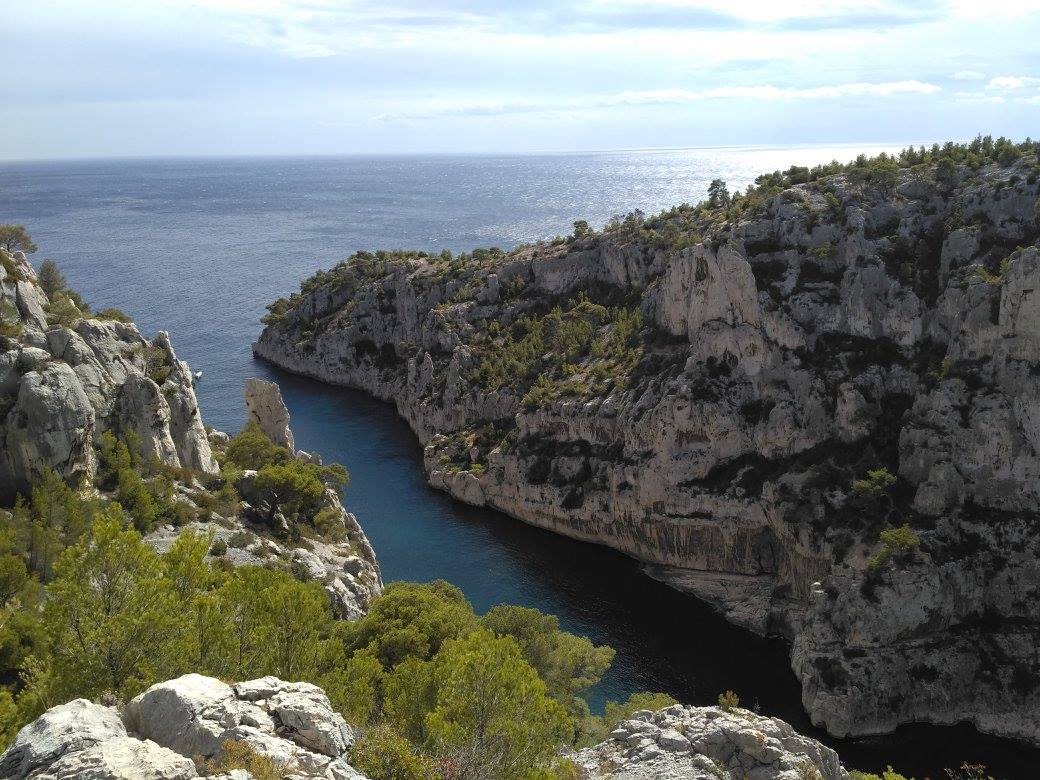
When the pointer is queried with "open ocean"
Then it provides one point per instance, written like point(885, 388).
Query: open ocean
point(199, 246)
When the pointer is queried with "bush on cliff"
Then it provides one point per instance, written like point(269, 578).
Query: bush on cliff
point(575, 350)
point(15, 238)
point(51, 278)
point(250, 448)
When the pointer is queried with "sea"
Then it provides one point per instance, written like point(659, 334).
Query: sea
point(198, 247)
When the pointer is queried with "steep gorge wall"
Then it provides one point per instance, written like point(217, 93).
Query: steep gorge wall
point(786, 350)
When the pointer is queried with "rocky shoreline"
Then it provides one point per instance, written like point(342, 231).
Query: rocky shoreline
point(813, 363)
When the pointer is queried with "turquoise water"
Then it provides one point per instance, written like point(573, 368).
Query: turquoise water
point(199, 246)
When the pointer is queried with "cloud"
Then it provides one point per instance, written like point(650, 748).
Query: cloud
point(968, 75)
point(669, 96)
point(979, 97)
point(1008, 83)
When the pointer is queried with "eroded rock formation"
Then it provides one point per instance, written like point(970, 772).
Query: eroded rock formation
point(62, 386)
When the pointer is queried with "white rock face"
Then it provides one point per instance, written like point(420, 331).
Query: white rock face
point(62, 387)
point(264, 405)
point(82, 739)
point(833, 330)
point(173, 723)
point(706, 743)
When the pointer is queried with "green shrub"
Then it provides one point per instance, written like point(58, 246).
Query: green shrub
point(239, 754)
point(16, 238)
point(11, 268)
point(157, 363)
point(728, 701)
point(822, 251)
point(295, 486)
point(10, 323)
point(993, 278)
point(877, 481)
point(900, 540)
point(898, 543)
point(218, 548)
point(383, 754)
point(251, 449)
point(329, 523)
point(888, 774)
point(51, 278)
point(112, 313)
point(241, 539)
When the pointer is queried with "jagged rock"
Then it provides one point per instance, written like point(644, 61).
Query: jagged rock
point(264, 405)
point(50, 425)
point(291, 722)
point(82, 739)
point(62, 387)
point(706, 743)
point(172, 724)
point(835, 328)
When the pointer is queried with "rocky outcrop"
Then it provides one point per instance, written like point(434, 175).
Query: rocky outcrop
point(63, 385)
point(265, 407)
point(789, 343)
point(708, 743)
point(162, 733)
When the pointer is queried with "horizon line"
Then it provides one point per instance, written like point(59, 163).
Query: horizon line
point(525, 153)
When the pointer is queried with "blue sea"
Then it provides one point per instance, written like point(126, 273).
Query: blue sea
point(199, 246)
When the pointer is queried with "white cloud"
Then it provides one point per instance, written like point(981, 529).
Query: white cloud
point(979, 97)
point(1013, 82)
point(670, 96)
point(968, 75)
point(994, 9)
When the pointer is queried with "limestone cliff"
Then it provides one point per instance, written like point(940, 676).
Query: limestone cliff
point(68, 376)
point(701, 390)
point(65, 380)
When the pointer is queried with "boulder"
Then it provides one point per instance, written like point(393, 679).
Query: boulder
point(173, 723)
point(82, 739)
point(705, 743)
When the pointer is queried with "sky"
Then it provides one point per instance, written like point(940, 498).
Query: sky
point(103, 78)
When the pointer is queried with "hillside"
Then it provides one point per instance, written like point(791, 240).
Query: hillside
point(813, 404)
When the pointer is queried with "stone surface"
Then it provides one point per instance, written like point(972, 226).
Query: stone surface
point(835, 328)
point(707, 743)
point(172, 724)
point(82, 739)
point(264, 406)
point(62, 387)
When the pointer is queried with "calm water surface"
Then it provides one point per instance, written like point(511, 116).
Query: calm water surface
point(198, 247)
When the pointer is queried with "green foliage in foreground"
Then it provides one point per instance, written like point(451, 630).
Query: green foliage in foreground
point(438, 692)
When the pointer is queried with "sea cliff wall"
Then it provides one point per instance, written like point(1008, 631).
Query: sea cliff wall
point(708, 391)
